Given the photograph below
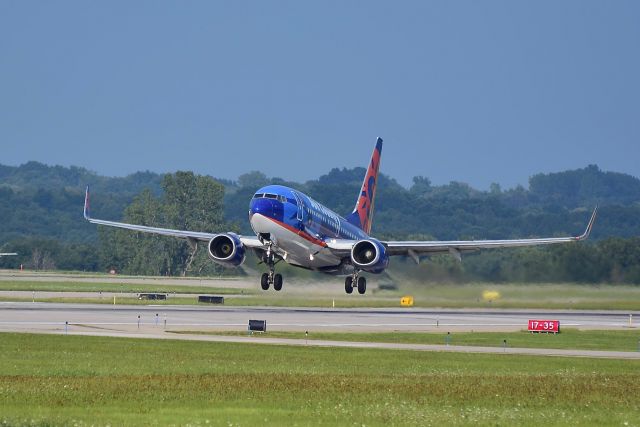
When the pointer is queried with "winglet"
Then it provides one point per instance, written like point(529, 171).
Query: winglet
point(86, 204)
point(587, 231)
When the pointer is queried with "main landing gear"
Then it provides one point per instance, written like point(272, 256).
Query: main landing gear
point(355, 281)
point(270, 278)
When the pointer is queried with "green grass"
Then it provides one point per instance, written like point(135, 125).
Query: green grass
point(124, 299)
point(514, 295)
point(298, 300)
point(377, 302)
point(621, 340)
point(552, 296)
point(281, 300)
point(48, 380)
point(18, 285)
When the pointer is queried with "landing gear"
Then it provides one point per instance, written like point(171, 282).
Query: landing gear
point(271, 277)
point(355, 281)
point(277, 282)
point(348, 284)
point(362, 285)
point(267, 279)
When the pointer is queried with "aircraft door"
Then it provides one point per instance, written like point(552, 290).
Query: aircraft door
point(299, 214)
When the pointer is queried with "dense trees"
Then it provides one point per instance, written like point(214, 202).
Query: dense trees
point(612, 260)
point(41, 253)
point(189, 202)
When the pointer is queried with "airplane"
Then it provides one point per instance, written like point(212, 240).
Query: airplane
point(292, 227)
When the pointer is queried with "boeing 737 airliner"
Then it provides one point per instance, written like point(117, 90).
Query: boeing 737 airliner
point(291, 226)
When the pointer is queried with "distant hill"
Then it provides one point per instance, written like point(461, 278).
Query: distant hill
point(585, 186)
point(37, 200)
point(35, 175)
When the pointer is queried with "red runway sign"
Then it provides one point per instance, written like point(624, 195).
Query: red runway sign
point(544, 326)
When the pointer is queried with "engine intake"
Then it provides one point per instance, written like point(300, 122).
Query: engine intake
point(370, 255)
point(227, 250)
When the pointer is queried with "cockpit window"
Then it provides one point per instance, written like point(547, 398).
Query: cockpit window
point(278, 197)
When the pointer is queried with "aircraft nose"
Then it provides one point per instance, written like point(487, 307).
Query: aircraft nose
point(262, 206)
point(267, 207)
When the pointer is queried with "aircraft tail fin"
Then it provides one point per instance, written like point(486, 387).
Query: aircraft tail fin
point(362, 214)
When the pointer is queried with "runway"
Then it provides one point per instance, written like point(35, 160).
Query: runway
point(162, 322)
point(26, 316)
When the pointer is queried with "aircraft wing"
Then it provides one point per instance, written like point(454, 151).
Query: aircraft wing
point(249, 241)
point(456, 247)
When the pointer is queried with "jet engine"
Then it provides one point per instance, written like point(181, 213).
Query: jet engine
point(370, 255)
point(227, 250)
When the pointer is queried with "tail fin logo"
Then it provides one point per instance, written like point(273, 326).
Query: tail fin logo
point(362, 215)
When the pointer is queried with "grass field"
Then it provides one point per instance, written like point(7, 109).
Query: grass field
point(544, 296)
point(48, 380)
point(248, 300)
point(557, 296)
point(72, 286)
point(623, 340)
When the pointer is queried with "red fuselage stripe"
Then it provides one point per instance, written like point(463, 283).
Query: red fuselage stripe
point(300, 233)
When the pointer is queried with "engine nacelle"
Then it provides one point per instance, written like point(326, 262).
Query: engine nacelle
point(370, 255)
point(227, 250)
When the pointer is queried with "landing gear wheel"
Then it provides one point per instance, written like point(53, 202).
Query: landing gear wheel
point(348, 284)
point(362, 285)
point(277, 282)
point(264, 281)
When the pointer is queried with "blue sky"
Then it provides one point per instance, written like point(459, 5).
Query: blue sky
point(476, 91)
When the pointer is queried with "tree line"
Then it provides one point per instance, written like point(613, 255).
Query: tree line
point(188, 202)
point(612, 260)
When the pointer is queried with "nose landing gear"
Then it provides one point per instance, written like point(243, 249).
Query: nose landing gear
point(270, 278)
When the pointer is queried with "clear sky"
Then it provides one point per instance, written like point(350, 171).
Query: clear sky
point(471, 91)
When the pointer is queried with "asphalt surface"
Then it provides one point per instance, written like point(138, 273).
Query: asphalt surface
point(163, 321)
